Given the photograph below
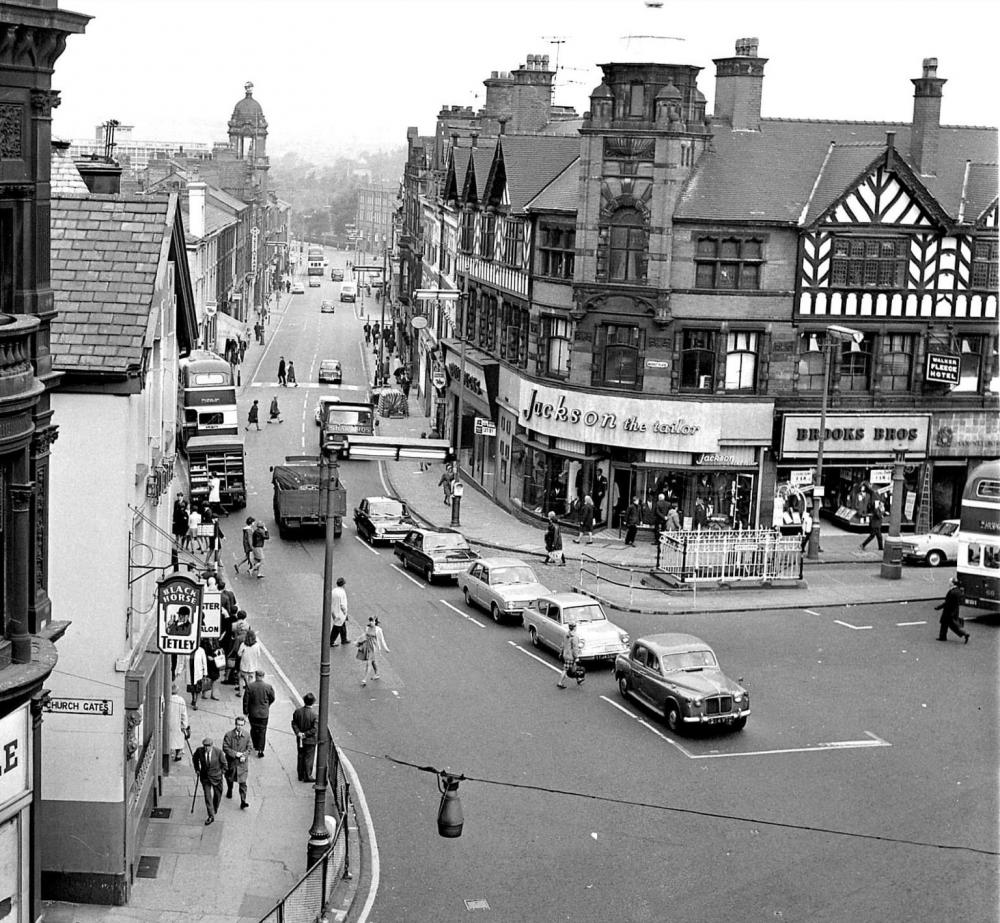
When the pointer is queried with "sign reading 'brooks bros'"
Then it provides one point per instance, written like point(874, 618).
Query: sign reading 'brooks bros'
point(858, 436)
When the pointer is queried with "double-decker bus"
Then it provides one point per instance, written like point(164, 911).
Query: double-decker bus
point(316, 263)
point(979, 538)
point(208, 396)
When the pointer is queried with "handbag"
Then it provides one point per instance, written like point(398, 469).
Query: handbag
point(220, 659)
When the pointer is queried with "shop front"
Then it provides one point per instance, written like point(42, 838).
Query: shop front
point(707, 457)
point(474, 395)
point(959, 441)
point(858, 453)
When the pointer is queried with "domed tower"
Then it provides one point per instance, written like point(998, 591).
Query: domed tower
point(248, 137)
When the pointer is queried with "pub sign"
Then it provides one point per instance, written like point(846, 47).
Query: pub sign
point(178, 603)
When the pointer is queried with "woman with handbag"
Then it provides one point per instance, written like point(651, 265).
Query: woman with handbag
point(213, 655)
point(251, 659)
point(368, 646)
point(198, 667)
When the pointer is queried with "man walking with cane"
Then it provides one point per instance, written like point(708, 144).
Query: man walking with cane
point(210, 764)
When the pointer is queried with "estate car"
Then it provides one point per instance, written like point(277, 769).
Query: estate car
point(549, 617)
point(502, 586)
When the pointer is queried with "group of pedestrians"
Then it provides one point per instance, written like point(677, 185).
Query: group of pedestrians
point(196, 528)
point(369, 645)
point(286, 373)
point(255, 534)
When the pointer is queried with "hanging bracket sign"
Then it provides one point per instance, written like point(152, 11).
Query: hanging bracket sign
point(178, 603)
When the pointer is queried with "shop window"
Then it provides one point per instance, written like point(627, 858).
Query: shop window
point(553, 353)
point(556, 251)
point(471, 312)
point(488, 236)
point(984, 264)
point(468, 232)
point(622, 251)
point(698, 359)
point(728, 263)
point(741, 360)
point(854, 368)
point(970, 349)
point(897, 361)
point(868, 262)
point(618, 356)
point(513, 241)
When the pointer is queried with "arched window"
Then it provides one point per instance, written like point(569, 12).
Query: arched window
point(625, 243)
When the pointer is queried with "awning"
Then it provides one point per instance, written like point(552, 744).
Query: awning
point(562, 453)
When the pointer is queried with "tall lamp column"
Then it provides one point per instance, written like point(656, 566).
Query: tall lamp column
point(892, 551)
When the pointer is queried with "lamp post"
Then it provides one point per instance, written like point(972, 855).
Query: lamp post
point(835, 334)
point(892, 552)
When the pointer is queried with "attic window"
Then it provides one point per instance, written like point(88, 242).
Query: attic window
point(636, 100)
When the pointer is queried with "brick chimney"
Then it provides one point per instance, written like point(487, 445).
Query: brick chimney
point(738, 84)
point(926, 127)
point(196, 208)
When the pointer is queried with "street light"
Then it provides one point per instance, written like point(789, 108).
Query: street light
point(439, 295)
point(892, 553)
point(835, 335)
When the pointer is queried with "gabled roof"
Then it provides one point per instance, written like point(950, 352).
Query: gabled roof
point(770, 175)
point(843, 164)
point(106, 253)
point(562, 194)
point(524, 165)
point(454, 181)
point(225, 201)
point(980, 190)
point(479, 172)
point(215, 218)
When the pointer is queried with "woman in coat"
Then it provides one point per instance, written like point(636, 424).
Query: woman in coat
point(370, 644)
point(210, 646)
point(198, 665)
point(251, 659)
point(179, 727)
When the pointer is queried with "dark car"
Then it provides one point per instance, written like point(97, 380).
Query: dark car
point(330, 372)
point(435, 553)
point(678, 677)
point(336, 275)
point(382, 519)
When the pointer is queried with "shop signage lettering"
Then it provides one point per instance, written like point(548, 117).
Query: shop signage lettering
point(179, 598)
point(102, 707)
point(717, 458)
point(14, 743)
point(561, 412)
point(865, 436)
point(879, 434)
point(471, 382)
point(943, 368)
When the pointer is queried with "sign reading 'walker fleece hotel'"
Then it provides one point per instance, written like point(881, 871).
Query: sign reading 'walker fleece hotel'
point(664, 425)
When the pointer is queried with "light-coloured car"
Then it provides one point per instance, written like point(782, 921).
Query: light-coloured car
point(298, 288)
point(327, 307)
point(502, 586)
point(678, 677)
point(937, 547)
point(315, 282)
point(549, 617)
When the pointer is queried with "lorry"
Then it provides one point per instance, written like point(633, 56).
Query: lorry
point(223, 457)
point(299, 503)
point(339, 419)
point(316, 263)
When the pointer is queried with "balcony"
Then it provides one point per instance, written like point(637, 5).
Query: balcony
point(17, 374)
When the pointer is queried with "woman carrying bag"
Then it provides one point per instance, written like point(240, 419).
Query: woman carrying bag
point(213, 654)
point(370, 644)
point(198, 666)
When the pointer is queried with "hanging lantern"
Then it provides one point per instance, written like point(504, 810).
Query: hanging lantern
point(450, 819)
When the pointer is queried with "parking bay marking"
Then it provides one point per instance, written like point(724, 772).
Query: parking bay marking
point(852, 627)
point(408, 577)
point(871, 741)
point(464, 615)
point(535, 657)
point(369, 547)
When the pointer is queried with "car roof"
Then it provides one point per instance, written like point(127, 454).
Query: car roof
point(503, 562)
point(571, 599)
point(329, 362)
point(394, 499)
point(672, 642)
point(428, 530)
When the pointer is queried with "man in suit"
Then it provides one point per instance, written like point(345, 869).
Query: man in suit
point(210, 764)
point(305, 725)
point(236, 746)
point(950, 607)
point(257, 701)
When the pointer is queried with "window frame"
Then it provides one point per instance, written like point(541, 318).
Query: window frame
point(467, 231)
point(851, 358)
point(513, 241)
point(689, 349)
point(979, 340)
point(603, 343)
point(487, 235)
point(557, 253)
point(861, 262)
point(710, 267)
point(890, 379)
point(752, 351)
point(549, 323)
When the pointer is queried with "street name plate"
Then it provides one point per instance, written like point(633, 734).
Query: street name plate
point(103, 707)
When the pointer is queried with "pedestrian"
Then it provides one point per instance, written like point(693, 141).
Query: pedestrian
point(215, 493)
point(210, 763)
point(243, 349)
point(288, 285)
point(251, 656)
point(586, 521)
point(291, 374)
point(212, 672)
point(237, 637)
point(950, 608)
point(282, 374)
point(874, 524)
point(368, 333)
point(553, 542)
point(370, 644)
point(447, 483)
point(257, 701)
point(405, 384)
point(570, 656)
point(180, 728)
point(253, 417)
point(247, 545)
point(236, 746)
point(339, 613)
point(197, 671)
point(600, 492)
point(700, 514)
point(194, 525)
point(807, 527)
point(275, 413)
point(257, 539)
point(213, 541)
point(305, 725)
point(376, 332)
point(673, 523)
point(179, 520)
point(660, 511)
point(227, 598)
point(633, 516)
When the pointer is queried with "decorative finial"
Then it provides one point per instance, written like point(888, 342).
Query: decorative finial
point(248, 86)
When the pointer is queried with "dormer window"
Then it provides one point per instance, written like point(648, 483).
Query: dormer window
point(636, 100)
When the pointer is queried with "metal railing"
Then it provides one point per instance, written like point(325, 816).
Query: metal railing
point(620, 575)
point(310, 898)
point(734, 556)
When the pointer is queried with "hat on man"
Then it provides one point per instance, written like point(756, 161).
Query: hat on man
point(259, 674)
point(207, 742)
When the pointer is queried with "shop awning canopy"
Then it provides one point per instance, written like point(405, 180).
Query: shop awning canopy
point(565, 453)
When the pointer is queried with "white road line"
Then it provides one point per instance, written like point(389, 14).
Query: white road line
point(648, 726)
point(465, 615)
point(810, 611)
point(408, 577)
point(544, 663)
point(905, 624)
point(853, 627)
point(358, 538)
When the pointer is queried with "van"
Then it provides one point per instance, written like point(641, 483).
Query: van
point(348, 291)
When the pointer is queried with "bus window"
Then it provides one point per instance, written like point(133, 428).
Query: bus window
point(991, 557)
point(211, 419)
point(974, 554)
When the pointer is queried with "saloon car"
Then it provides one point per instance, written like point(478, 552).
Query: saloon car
point(549, 617)
point(315, 282)
point(330, 372)
point(678, 677)
point(502, 586)
point(298, 288)
point(382, 519)
point(336, 275)
point(937, 547)
point(327, 307)
point(435, 553)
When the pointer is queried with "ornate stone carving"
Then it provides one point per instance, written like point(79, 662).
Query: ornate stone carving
point(11, 131)
point(629, 148)
point(21, 496)
point(42, 439)
point(44, 101)
point(24, 46)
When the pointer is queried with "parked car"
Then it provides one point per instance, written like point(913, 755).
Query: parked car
point(382, 519)
point(549, 617)
point(327, 307)
point(336, 275)
point(298, 288)
point(678, 677)
point(937, 547)
point(330, 372)
point(435, 552)
point(502, 586)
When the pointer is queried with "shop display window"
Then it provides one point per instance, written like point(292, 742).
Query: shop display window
point(727, 496)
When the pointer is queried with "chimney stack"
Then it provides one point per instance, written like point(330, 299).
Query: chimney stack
point(738, 86)
point(926, 128)
point(196, 208)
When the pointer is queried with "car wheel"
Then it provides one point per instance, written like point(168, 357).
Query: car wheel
point(672, 716)
point(623, 685)
point(535, 640)
point(495, 612)
point(935, 558)
point(468, 597)
point(740, 723)
point(429, 573)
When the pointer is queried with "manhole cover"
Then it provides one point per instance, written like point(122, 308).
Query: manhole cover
point(149, 867)
point(478, 904)
point(160, 813)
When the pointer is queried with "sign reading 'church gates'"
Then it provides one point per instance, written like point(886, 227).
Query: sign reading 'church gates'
point(178, 602)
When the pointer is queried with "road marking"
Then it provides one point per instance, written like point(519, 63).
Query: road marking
point(534, 656)
point(648, 726)
point(905, 624)
point(853, 627)
point(408, 577)
point(465, 615)
point(369, 547)
point(810, 611)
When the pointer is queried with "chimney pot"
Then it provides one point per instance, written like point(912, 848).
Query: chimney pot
point(890, 140)
point(545, 61)
point(930, 67)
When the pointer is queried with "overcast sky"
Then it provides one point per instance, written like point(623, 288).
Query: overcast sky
point(353, 74)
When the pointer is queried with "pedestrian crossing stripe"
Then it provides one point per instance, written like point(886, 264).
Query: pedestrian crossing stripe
point(305, 384)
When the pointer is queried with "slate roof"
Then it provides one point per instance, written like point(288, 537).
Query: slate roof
point(105, 251)
point(980, 189)
point(66, 179)
point(482, 160)
point(843, 164)
point(560, 195)
point(215, 218)
point(770, 175)
point(529, 163)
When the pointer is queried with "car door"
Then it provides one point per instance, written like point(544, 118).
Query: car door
point(552, 625)
point(471, 581)
point(482, 583)
point(360, 515)
point(407, 548)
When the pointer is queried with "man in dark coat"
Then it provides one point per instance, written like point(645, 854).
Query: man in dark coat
point(660, 510)
point(282, 372)
point(553, 542)
point(949, 607)
point(633, 516)
point(875, 509)
point(257, 701)
point(600, 492)
point(210, 764)
point(305, 726)
point(236, 746)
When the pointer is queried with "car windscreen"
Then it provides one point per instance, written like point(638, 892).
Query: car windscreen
point(506, 576)
point(336, 416)
point(386, 509)
point(588, 613)
point(945, 528)
point(445, 542)
point(688, 660)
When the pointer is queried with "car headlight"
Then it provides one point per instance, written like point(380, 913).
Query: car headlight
point(510, 604)
point(583, 644)
point(738, 697)
point(379, 530)
point(696, 703)
point(624, 637)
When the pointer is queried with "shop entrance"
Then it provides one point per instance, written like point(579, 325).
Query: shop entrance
point(946, 491)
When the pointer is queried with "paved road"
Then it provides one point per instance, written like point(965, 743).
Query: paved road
point(861, 723)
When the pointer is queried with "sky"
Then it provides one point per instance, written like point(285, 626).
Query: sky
point(351, 75)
